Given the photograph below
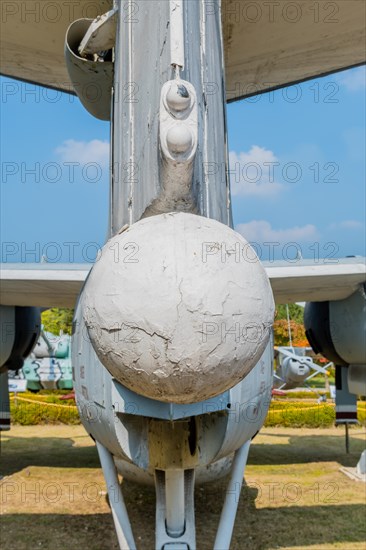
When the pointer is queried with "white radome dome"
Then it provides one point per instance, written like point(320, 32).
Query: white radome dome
point(178, 307)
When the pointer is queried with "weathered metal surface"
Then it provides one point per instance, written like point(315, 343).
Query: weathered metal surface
point(129, 402)
point(176, 321)
point(33, 34)
point(116, 501)
point(204, 474)
point(101, 34)
point(169, 445)
point(137, 178)
point(92, 79)
point(185, 538)
point(270, 44)
point(41, 285)
point(119, 419)
point(306, 281)
point(348, 328)
point(249, 405)
point(178, 132)
point(177, 33)
point(228, 514)
point(267, 44)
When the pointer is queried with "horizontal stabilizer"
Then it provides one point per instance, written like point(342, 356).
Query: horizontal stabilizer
point(58, 285)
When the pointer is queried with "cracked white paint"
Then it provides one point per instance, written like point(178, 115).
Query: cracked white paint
point(183, 318)
point(178, 126)
point(176, 34)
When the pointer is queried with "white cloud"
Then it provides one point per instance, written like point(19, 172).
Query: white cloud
point(253, 173)
point(354, 80)
point(355, 142)
point(261, 231)
point(352, 224)
point(84, 152)
point(347, 224)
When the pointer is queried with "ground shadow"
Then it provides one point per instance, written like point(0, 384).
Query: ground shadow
point(18, 453)
point(303, 449)
point(254, 529)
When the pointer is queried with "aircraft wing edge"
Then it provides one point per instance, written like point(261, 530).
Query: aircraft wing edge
point(59, 286)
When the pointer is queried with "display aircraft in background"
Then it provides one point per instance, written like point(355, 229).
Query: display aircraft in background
point(172, 348)
point(294, 368)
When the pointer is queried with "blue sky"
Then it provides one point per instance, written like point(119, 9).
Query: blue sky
point(296, 159)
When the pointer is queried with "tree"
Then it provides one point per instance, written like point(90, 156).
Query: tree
point(296, 313)
point(281, 334)
point(57, 319)
point(280, 327)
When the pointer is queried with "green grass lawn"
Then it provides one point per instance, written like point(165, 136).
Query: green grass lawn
point(295, 497)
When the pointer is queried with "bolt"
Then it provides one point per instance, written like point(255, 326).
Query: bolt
point(179, 139)
point(178, 98)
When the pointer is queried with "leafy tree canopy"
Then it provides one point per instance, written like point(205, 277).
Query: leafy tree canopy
point(280, 327)
point(57, 319)
point(281, 335)
point(296, 313)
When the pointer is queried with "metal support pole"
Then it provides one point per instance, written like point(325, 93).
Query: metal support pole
point(228, 514)
point(174, 502)
point(170, 517)
point(347, 438)
point(118, 507)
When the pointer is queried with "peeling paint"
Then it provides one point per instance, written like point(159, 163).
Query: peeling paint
point(190, 325)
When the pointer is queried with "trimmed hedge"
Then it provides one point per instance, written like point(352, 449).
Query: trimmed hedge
point(302, 395)
point(297, 414)
point(300, 415)
point(46, 409)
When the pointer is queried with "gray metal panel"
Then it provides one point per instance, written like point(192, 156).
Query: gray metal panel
point(346, 402)
point(7, 321)
point(127, 401)
point(315, 282)
point(135, 181)
point(348, 328)
point(41, 285)
point(210, 178)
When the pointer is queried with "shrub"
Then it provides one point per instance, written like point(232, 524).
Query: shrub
point(298, 415)
point(46, 409)
point(302, 395)
point(306, 415)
